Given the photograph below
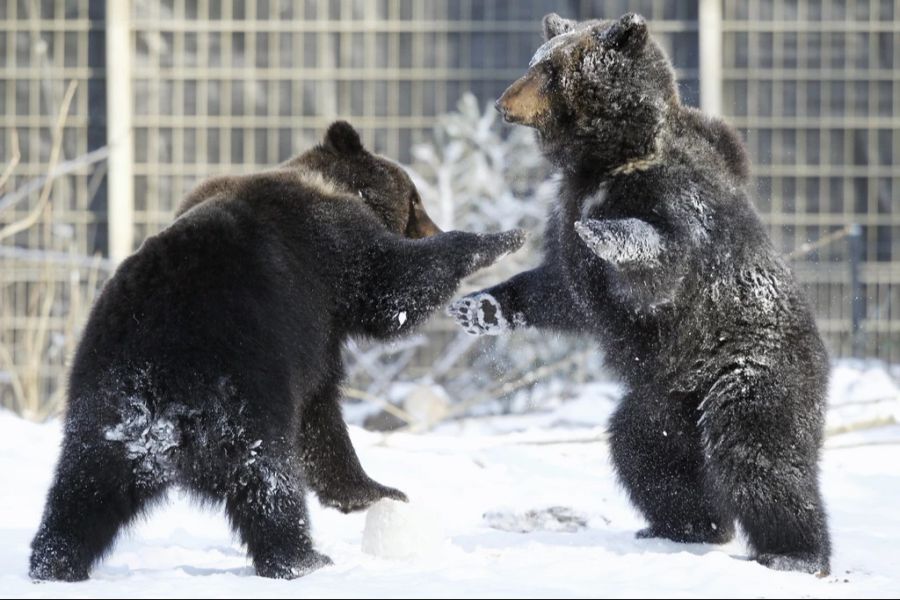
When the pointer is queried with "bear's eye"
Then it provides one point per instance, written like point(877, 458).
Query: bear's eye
point(549, 71)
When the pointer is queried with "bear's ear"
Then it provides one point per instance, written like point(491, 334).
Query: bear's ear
point(342, 138)
point(630, 31)
point(555, 25)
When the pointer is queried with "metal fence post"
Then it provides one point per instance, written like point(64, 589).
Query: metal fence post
point(710, 40)
point(855, 250)
point(119, 102)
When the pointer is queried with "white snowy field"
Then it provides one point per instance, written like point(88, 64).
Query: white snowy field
point(473, 481)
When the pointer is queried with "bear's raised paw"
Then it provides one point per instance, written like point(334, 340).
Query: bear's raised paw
point(479, 314)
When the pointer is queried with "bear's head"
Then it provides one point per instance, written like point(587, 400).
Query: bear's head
point(343, 161)
point(597, 93)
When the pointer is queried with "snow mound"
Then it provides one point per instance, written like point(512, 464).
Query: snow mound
point(401, 530)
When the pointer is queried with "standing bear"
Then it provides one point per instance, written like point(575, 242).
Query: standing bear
point(655, 249)
point(212, 358)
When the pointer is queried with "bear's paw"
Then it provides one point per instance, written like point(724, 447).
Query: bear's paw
point(481, 314)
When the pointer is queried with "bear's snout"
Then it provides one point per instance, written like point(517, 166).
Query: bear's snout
point(524, 102)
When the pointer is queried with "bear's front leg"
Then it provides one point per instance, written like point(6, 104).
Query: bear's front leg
point(412, 278)
point(622, 242)
point(331, 465)
point(535, 298)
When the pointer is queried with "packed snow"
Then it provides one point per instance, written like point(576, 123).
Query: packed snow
point(402, 530)
point(517, 505)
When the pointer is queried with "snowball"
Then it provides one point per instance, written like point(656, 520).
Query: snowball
point(401, 530)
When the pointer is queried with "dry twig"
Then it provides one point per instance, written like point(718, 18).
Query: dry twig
point(14, 161)
point(32, 217)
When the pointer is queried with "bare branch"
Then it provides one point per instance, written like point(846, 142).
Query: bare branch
point(14, 161)
point(35, 408)
point(529, 378)
point(59, 258)
point(34, 215)
point(825, 240)
point(861, 426)
point(864, 444)
point(64, 168)
point(14, 379)
point(384, 404)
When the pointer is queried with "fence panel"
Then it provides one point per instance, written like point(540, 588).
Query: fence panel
point(814, 87)
point(230, 87)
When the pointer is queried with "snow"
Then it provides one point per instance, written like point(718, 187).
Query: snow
point(554, 518)
point(478, 484)
point(622, 241)
point(552, 45)
point(862, 392)
point(401, 530)
point(144, 437)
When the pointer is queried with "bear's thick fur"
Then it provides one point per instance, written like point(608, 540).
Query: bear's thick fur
point(212, 358)
point(656, 250)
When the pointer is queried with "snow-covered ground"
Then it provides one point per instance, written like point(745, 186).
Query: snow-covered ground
point(479, 484)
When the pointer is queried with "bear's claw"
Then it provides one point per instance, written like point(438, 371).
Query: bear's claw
point(491, 247)
point(689, 534)
point(312, 561)
point(360, 497)
point(805, 563)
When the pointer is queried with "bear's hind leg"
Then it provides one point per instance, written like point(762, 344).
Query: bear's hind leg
point(95, 493)
point(763, 452)
point(655, 447)
point(266, 504)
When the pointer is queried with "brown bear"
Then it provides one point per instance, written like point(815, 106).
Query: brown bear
point(212, 358)
point(655, 249)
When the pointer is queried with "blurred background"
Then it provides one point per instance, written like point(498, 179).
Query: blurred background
point(112, 110)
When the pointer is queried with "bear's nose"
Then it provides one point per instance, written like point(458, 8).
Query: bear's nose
point(503, 109)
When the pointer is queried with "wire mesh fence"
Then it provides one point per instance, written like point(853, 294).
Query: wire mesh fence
point(47, 273)
point(230, 86)
point(814, 86)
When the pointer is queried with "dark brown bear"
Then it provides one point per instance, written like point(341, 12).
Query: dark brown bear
point(655, 249)
point(212, 358)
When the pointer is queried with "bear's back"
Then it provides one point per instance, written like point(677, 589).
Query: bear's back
point(254, 260)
